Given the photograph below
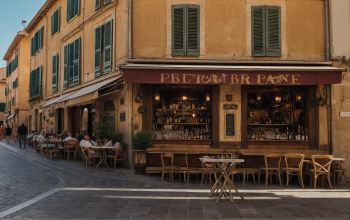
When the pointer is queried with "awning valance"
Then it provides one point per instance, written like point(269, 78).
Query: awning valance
point(225, 74)
point(87, 93)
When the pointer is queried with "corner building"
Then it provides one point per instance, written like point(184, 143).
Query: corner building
point(76, 47)
point(231, 75)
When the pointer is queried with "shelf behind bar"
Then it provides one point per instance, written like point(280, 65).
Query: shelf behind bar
point(270, 125)
point(182, 123)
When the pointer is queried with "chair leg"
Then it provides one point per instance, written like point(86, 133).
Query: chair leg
point(315, 181)
point(253, 177)
point(329, 181)
point(287, 178)
point(301, 179)
point(279, 177)
point(266, 178)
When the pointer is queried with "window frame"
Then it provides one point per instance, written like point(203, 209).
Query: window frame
point(69, 16)
point(53, 31)
point(101, 68)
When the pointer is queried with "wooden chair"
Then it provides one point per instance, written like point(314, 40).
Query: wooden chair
point(338, 172)
point(194, 165)
point(294, 167)
point(88, 155)
point(250, 168)
point(180, 165)
point(321, 167)
point(167, 160)
point(272, 167)
point(70, 147)
point(207, 171)
point(117, 155)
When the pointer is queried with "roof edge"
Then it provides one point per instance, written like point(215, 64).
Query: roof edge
point(14, 44)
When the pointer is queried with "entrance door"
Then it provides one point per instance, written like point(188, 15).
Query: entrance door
point(59, 121)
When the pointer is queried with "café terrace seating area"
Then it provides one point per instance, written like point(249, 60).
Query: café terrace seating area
point(55, 148)
point(304, 168)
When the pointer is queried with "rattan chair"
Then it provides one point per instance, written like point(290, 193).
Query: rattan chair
point(294, 167)
point(321, 167)
point(167, 160)
point(117, 156)
point(272, 167)
point(70, 147)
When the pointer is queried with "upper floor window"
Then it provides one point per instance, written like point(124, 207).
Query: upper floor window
point(103, 48)
point(15, 83)
point(73, 9)
point(100, 3)
point(12, 66)
point(35, 82)
point(2, 106)
point(72, 64)
point(56, 21)
point(266, 31)
point(185, 30)
point(55, 68)
point(37, 41)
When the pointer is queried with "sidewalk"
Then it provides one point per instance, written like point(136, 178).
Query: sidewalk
point(89, 193)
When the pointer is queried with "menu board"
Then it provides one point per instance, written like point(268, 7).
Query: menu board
point(230, 124)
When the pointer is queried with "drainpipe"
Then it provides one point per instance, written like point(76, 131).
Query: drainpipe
point(328, 87)
point(327, 30)
point(130, 55)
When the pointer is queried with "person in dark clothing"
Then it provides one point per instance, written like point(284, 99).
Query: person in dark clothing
point(22, 132)
point(8, 132)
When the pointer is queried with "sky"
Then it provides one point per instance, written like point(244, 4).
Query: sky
point(12, 12)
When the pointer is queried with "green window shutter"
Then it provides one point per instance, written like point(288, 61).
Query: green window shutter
point(66, 68)
point(258, 31)
point(98, 54)
point(32, 47)
point(53, 23)
point(2, 107)
point(59, 19)
point(76, 7)
point(273, 31)
point(39, 81)
point(55, 63)
point(97, 4)
point(178, 30)
point(31, 84)
point(69, 9)
point(193, 30)
point(108, 40)
point(76, 62)
point(41, 43)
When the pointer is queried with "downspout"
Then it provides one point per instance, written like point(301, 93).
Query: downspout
point(130, 55)
point(328, 87)
point(130, 52)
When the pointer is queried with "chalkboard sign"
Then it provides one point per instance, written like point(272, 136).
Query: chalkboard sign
point(230, 124)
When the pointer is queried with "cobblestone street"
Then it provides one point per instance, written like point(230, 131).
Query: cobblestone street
point(33, 187)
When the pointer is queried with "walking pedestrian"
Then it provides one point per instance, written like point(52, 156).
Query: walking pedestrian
point(8, 132)
point(22, 132)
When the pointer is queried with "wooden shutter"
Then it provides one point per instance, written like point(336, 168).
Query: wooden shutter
point(178, 30)
point(258, 31)
point(97, 4)
point(31, 84)
point(273, 31)
point(98, 45)
point(39, 80)
point(53, 23)
point(32, 47)
point(76, 62)
point(76, 7)
point(66, 68)
point(41, 38)
point(68, 10)
point(107, 42)
point(193, 26)
point(55, 67)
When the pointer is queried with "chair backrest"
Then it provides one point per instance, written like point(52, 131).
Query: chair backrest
point(272, 161)
point(71, 143)
point(84, 151)
point(205, 164)
point(322, 163)
point(167, 159)
point(180, 160)
point(294, 160)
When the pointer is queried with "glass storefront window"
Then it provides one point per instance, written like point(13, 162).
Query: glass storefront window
point(182, 113)
point(277, 114)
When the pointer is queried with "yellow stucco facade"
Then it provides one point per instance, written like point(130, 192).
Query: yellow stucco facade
point(2, 92)
point(17, 82)
point(82, 27)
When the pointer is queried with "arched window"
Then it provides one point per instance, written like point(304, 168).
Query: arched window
point(108, 106)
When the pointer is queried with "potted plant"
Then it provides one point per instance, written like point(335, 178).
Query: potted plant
point(141, 141)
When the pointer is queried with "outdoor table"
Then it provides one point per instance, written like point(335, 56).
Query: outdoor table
point(223, 183)
point(103, 158)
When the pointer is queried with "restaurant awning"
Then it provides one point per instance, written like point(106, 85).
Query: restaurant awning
point(53, 101)
point(231, 74)
point(93, 91)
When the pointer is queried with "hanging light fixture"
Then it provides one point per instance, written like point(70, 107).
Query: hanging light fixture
point(157, 97)
point(184, 98)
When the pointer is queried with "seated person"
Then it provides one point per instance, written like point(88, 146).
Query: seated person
point(69, 137)
point(87, 142)
point(41, 137)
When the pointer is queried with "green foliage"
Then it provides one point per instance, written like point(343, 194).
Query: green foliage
point(142, 140)
point(105, 130)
